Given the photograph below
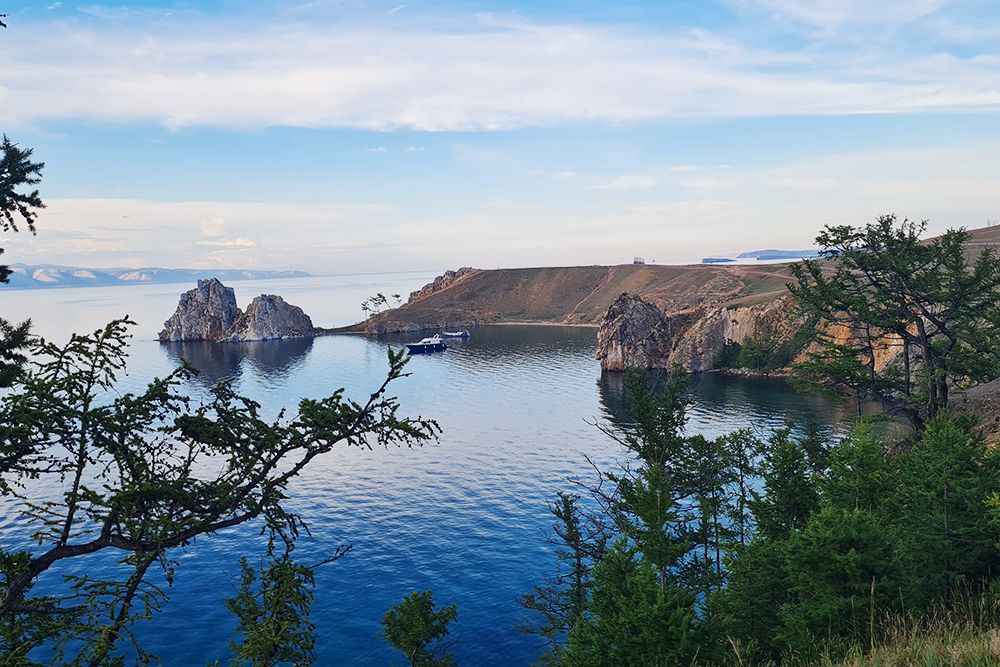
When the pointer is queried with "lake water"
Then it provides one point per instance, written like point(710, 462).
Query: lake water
point(463, 516)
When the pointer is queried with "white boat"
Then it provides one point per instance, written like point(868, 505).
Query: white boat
point(464, 333)
point(432, 344)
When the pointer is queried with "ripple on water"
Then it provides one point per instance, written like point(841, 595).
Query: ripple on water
point(462, 516)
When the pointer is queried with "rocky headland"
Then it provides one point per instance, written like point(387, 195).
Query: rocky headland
point(447, 279)
point(579, 295)
point(636, 333)
point(209, 312)
point(649, 316)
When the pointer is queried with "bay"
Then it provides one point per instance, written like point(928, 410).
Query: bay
point(463, 516)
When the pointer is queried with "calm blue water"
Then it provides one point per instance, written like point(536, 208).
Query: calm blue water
point(463, 516)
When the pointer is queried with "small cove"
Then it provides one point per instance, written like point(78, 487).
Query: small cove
point(463, 516)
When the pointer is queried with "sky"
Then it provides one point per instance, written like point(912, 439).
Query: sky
point(350, 136)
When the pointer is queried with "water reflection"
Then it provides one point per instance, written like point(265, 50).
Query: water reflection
point(273, 359)
point(462, 515)
point(721, 403)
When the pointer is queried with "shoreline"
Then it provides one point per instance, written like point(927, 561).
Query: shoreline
point(345, 331)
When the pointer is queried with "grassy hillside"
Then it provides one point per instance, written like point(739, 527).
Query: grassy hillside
point(581, 294)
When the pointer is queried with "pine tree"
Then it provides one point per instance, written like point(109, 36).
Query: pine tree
point(415, 629)
point(632, 620)
point(16, 170)
point(562, 600)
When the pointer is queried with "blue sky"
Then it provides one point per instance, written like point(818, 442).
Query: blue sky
point(368, 136)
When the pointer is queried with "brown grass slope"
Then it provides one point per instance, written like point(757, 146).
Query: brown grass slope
point(580, 294)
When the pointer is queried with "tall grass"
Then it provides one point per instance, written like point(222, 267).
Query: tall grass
point(965, 633)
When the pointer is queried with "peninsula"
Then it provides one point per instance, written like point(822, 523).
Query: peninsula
point(578, 295)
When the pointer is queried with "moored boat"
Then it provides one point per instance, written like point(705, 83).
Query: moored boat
point(432, 344)
point(464, 333)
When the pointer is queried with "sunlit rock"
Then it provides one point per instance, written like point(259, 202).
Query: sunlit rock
point(269, 317)
point(209, 312)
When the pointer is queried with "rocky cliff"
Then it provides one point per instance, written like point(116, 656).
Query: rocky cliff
point(209, 312)
point(636, 333)
point(447, 279)
point(269, 317)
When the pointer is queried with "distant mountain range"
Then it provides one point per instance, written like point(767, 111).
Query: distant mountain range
point(778, 254)
point(46, 275)
point(764, 255)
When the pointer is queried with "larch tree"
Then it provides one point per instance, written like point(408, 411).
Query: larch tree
point(16, 207)
point(888, 288)
point(141, 476)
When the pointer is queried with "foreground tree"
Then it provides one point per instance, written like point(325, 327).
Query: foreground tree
point(889, 288)
point(415, 629)
point(874, 532)
point(16, 171)
point(143, 474)
point(664, 511)
point(272, 605)
point(561, 602)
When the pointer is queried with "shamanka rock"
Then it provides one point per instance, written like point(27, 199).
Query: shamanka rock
point(209, 312)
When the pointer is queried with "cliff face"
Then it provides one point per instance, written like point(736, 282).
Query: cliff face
point(885, 350)
point(636, 333)
point(209, 312)
point(204, 313)
point(441, 282)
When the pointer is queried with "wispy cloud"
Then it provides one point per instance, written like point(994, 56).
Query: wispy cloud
point(380, 149)
point(805, 183)
point(241, 242)
point(831, 14)
point(709, 184)
point(213, 228)
point(495, 73)
point(627, 183)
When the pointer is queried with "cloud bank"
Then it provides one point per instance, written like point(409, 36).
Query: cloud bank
point(474, 73)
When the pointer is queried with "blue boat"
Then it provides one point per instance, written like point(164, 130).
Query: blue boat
point(464, 333)
point(432, 344)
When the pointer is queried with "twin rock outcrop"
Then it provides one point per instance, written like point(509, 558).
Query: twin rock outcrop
point(209, 312)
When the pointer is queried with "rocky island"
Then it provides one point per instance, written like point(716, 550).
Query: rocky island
point(209, 312)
